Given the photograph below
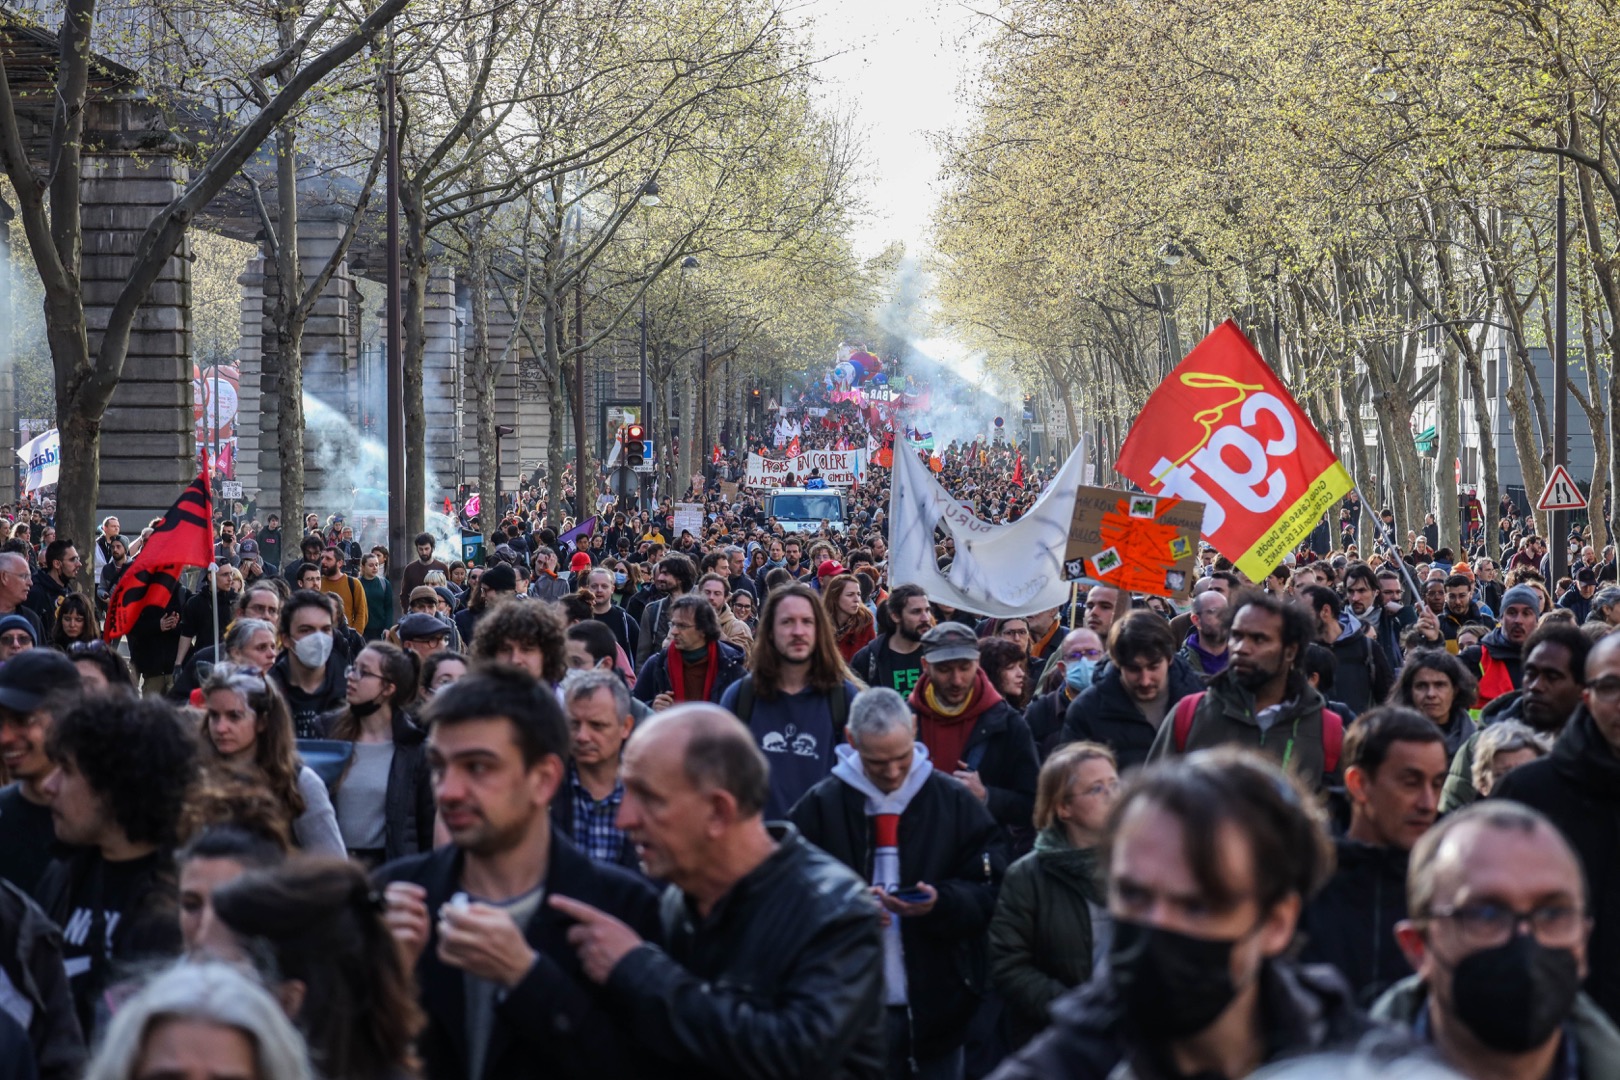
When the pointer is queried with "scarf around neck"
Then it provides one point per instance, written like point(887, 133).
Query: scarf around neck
point(675, 667)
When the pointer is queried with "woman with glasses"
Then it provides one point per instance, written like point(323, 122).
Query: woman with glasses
point(743, 607)
point(247, 733)
point(75, 623)
point(383, 797)
point(1051, 924)
point(439, 671)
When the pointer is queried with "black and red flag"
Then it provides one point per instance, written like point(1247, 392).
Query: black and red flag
point(185, 537)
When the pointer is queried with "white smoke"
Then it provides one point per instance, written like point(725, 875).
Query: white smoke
point(353, 474)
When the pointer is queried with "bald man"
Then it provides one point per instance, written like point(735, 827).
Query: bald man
point(1578, 787)
point(789, 982)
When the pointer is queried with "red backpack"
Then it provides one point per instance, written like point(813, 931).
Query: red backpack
point(1332, 730)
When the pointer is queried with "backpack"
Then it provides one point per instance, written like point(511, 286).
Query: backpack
point(838, 704)
point(1332, 730)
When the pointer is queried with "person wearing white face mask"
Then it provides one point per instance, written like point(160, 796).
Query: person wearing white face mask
point(309, 670)
point(1069, 672)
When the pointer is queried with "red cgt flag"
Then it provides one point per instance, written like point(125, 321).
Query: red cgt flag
point(1222, 430)
point(792, 450)
point(184, 538)
point(1018, 471)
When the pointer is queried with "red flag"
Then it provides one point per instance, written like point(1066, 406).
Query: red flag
point(1018, 470)
point(185, 537)
point(1222, 430)
point(716, 458)
point(793, 447)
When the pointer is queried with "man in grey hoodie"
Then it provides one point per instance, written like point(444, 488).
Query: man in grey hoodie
point(934, 858)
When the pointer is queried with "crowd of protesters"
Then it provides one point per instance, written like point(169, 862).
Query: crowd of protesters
point(736, 805)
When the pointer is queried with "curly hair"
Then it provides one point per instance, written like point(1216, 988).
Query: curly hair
point(139, 756)
point(526, 621)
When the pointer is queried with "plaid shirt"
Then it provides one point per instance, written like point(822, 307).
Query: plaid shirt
point(594, 831)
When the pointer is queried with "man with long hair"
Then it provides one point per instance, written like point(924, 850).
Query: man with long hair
point(796, 696)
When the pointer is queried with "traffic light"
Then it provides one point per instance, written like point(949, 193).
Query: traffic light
point(635, 448)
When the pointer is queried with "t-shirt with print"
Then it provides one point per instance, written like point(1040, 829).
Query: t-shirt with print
point(795, 731)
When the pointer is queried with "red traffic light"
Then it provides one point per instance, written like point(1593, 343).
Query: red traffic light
point(634, 432)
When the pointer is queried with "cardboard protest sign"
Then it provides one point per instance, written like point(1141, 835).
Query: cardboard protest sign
point(688, 517)
point(1138, 543)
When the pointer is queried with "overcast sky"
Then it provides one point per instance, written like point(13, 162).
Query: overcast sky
point(901, 66)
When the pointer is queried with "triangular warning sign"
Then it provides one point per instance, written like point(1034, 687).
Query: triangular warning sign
point(1561, 492)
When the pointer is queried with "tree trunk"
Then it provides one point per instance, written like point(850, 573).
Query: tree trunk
point(1524, 439)
point(288, 320)
point(414, 275)
point(484, 372)
point(1448, 449)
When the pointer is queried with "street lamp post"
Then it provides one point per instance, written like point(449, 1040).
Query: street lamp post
point(501, 432)
point(649, 198)
point(1557, 545)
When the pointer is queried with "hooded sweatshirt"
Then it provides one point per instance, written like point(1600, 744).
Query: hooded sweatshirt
point(946, 735)
point(1496, 661)
point(885, 809)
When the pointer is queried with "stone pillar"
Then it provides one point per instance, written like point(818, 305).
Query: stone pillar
point(148, 443)
point(442, 380)
point(330, 363)
point(8, 363)
point(250, 362)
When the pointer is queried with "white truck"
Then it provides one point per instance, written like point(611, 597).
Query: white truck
point(802, 510)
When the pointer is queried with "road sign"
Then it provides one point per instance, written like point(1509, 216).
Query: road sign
point(1561, 492)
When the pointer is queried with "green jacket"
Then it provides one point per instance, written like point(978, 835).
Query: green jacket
point(1226, 717)
point(1596, 1038)
point(1041, 937)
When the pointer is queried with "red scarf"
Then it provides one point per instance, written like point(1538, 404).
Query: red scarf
point(676, 668)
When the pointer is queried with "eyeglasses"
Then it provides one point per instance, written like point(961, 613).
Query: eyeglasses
point(355, 673)
point(1083, 654)
point(1485, 925)
point(1604, 689)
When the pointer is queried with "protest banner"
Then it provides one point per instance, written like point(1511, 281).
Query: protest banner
point(1136, 542)
point(840, 468)
point(688, 518)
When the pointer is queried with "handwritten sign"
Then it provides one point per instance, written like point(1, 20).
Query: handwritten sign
point(1139, 543)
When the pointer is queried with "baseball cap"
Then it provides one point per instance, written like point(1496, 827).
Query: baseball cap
point(32, 675)
point(580, 561)
point(950, 641)
point(1584, 576)
point(829, 568)
point(420, 626)
point(424, 592)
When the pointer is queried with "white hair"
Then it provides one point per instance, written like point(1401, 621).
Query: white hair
point(878, 711)
point(212, 993)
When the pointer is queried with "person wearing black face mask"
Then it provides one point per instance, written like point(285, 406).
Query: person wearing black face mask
point(384, 796)
point(1498, 938)
point(1210, 859)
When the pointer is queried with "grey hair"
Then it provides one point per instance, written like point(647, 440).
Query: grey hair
point(1504, 737)
point(1606, 597)
point(877, 712)
point(242, 631)
point(213, 993)
point(581, 683)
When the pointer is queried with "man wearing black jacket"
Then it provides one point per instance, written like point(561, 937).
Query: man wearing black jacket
point(1395, 768)
point(1144, 681)
point(1578, 787)
point(772, 962)
point(934, 858)
point(500, 985)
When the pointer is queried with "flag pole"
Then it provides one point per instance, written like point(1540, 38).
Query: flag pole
point(1394, 545)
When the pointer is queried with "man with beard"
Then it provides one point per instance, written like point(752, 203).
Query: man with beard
point(1578, 787)
point(1495, 661)
point(501, 986)
point(1461, 610)
point(893, 660)
point(674, 577)
point(625, 629)
point(348, 590)
point(1554, 667)
point(1263, 699)
point(1204, 649)
point(1379, 601)
point(1361, 677)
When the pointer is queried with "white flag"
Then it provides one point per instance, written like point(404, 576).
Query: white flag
point(42, 458)
point(999, 570)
